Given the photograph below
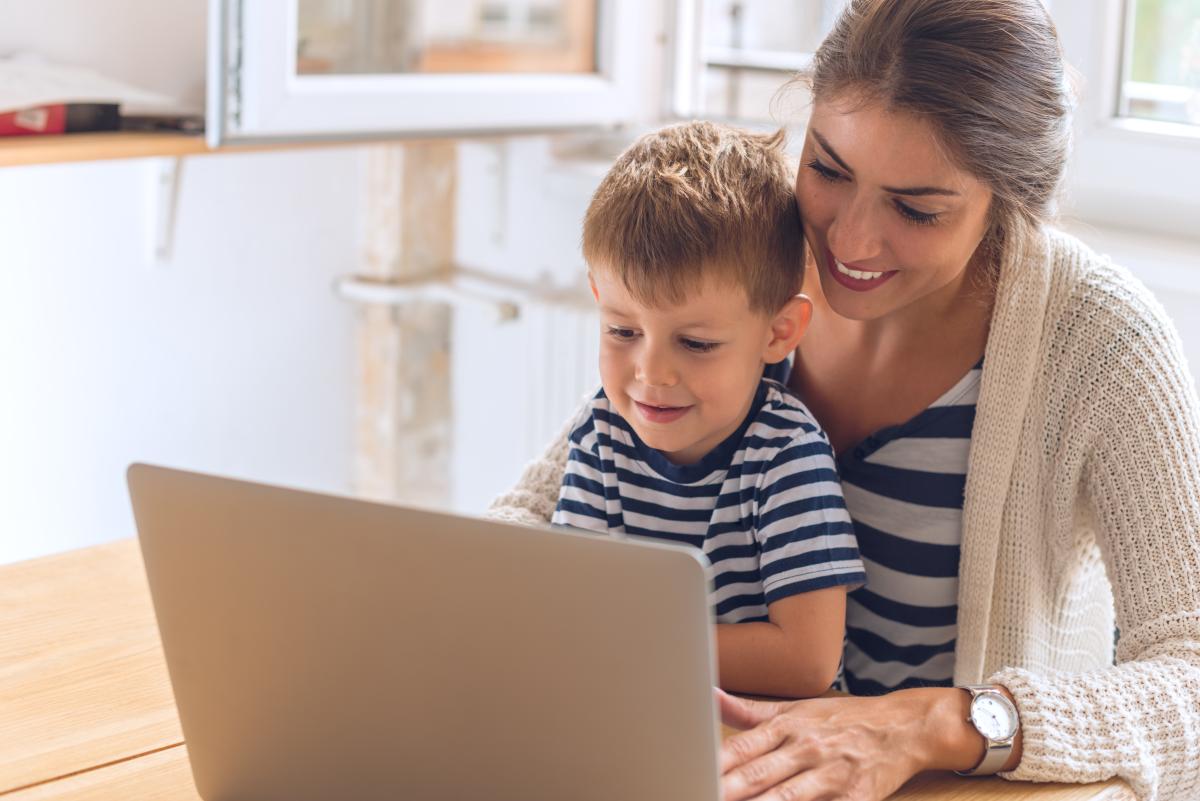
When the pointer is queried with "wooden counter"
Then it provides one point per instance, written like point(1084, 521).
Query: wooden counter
point(86, 711)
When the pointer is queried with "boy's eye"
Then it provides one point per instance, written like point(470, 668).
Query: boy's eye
point(620, 334)
point(698, 346)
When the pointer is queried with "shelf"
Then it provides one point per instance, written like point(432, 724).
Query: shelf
point(17, 151)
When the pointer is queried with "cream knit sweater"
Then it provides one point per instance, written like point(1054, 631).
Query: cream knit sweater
point(1082, 498)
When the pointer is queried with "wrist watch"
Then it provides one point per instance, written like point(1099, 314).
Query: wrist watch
point(995, 718)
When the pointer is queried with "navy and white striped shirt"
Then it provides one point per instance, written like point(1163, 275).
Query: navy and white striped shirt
point(904, 490)
point(764, 506)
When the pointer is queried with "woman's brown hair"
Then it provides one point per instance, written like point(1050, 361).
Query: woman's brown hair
point(987, 74)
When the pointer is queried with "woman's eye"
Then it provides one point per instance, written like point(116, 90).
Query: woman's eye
point(621, 334)
point(914, 216)
point(697, 346)
point(825, 173)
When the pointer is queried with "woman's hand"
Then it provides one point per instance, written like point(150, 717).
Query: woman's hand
point(854, 748)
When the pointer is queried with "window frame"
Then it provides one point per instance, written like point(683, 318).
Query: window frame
point(692, 58)
point(254, 93)
point(1126, 172)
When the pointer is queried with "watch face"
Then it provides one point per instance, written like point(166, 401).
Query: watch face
point(993, 716)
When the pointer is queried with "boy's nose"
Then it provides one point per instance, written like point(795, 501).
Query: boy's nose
point(654, 369)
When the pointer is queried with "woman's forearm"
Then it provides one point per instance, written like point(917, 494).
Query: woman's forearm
point(949, 741)
point(846, 746)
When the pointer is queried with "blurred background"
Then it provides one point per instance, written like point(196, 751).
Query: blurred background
point(364, 276)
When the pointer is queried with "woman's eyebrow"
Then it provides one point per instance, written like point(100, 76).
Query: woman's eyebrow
point(915, 191)
point(919, 191)
point(832, 153)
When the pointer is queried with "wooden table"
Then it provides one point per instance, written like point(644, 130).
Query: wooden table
point(86, 710)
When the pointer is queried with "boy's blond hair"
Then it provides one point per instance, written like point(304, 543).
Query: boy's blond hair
point(694, 201)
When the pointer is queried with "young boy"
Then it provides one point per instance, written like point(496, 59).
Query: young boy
point(695, 256)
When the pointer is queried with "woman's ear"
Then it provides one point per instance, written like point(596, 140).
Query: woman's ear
point(787, 327)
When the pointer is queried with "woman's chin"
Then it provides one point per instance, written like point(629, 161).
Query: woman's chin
point(856, 307)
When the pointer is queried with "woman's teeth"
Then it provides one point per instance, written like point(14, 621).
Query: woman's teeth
point(857, 275)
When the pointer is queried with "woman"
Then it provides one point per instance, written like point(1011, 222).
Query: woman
point(1018, 436)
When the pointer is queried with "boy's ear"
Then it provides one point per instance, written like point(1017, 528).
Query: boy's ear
point(592, 284)
point(787, 327)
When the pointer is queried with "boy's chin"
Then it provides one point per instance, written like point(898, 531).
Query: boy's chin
point(665, 445)
point(657, 440)
point(675, 450)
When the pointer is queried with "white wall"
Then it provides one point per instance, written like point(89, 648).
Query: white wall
point(235, 356)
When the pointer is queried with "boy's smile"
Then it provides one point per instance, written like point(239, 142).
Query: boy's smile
point(660, 413)
point(683, 375)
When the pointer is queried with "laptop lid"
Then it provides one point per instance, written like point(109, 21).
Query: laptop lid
point(326, 647)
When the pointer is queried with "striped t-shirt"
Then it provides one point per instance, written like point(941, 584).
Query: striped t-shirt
point(764, 506)
point(904, 490)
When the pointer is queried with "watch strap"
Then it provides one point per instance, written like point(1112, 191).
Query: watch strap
point(996, 752)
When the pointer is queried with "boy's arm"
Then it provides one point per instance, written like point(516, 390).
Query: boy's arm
point(794, 655)
point(808, 560)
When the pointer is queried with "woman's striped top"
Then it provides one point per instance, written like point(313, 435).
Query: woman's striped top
point(904, 491)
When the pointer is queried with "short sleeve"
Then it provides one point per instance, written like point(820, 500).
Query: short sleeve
point(804, 533)
point(581, 496)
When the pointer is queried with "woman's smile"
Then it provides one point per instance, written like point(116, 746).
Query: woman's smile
point(855, 278)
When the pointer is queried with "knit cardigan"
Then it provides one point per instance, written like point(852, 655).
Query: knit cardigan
point(1082, 500)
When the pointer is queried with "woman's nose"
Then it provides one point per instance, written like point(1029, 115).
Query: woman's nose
point(854, 234)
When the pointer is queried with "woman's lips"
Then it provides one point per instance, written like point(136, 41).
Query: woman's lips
point(660, 414)
point(857, 280)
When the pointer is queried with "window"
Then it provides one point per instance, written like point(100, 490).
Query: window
point(343, 68)
point(1161, 70)
point(342, 37)
point(1137, 144)
point(746, 50)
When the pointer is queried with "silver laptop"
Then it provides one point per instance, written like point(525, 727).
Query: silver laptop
point(323, 647)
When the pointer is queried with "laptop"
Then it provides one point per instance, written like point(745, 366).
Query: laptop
point(325, 647)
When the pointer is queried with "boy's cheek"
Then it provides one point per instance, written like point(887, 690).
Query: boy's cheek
point(612, 376)
point(735, 370)
point(610, 364)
